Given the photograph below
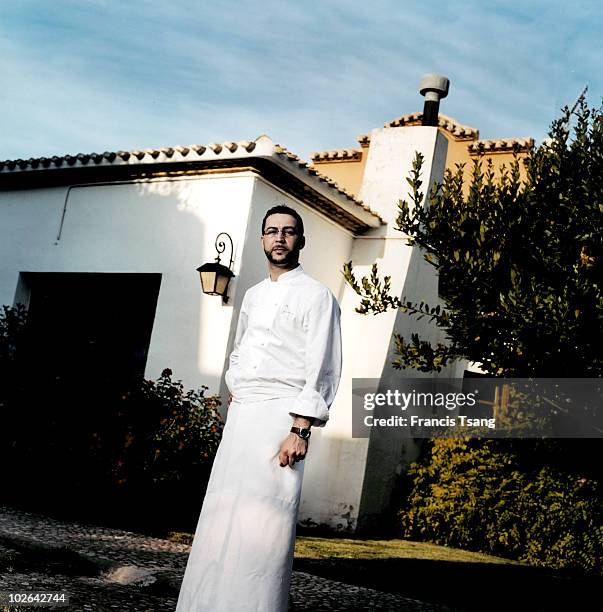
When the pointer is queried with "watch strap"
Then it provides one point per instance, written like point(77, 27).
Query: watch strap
point(302, 432)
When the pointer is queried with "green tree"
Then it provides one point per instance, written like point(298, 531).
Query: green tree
point(518, 260)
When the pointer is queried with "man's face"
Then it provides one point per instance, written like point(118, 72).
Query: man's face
point(281, 241)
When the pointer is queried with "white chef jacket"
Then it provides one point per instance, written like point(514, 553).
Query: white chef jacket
point(288, 345)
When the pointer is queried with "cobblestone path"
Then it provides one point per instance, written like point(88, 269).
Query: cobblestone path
point(106, 569)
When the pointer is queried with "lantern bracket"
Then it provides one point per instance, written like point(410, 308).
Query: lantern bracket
point(221, 247)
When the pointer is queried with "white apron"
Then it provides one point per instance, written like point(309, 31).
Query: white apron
point(242, 554)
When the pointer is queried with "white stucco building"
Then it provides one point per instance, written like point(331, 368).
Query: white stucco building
point(120, 235)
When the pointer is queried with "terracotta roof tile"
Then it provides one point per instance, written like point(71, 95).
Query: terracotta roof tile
point(325, 179)
point(83, 159)
point(450, 125)
point(337, 155)
point(501, 145)
point(224, 151)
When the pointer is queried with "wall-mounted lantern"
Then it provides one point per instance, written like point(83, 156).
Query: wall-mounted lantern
point(214, 276)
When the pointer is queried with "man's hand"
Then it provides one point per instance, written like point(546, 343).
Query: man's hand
point(292, 449)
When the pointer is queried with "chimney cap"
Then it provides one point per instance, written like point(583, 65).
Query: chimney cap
point(436, 84)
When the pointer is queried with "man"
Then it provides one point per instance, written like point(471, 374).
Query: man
point(284, 372)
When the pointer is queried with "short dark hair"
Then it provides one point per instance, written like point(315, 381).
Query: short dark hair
point(285, 210)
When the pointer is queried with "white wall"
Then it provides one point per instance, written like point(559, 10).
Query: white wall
point(328, 247)
point(166, 227)
point(354, 482)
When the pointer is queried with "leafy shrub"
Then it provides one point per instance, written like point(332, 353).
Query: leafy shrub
point(479, 495)
point(12, 329)
point(12, 326)
point(166, 434)
point(84, 447)
point(155, 456)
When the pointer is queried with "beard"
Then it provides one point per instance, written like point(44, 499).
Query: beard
point(281, 258)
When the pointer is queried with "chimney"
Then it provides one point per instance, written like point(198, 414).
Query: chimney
point(434, 87)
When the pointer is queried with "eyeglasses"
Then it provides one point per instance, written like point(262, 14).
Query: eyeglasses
point(273, 232)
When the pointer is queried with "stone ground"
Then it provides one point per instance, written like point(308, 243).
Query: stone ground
point(105, 569)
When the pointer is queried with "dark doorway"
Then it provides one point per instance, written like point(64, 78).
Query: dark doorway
point(91, 330)
point(84, 350)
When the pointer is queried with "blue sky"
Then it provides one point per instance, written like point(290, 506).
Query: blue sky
point(96, 75)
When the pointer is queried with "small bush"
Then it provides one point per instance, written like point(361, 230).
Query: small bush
point(85, 447)
point(477, 494)
point(12, 331)
point(12, 328)
point(166, 435)
point(156, 456)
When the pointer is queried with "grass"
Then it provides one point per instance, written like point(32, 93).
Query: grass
point(331, 548)
point(307, 547)
point(464, 581)
point(460, 579)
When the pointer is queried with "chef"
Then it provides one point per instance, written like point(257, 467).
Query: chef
point(284, 372)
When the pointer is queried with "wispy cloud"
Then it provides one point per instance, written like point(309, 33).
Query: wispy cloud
point(97, 74)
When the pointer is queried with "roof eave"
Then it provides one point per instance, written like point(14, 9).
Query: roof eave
point(321, 192)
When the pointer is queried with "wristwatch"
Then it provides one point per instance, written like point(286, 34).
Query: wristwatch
point(303, 433)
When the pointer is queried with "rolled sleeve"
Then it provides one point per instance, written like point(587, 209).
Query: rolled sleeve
point(323, 360)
